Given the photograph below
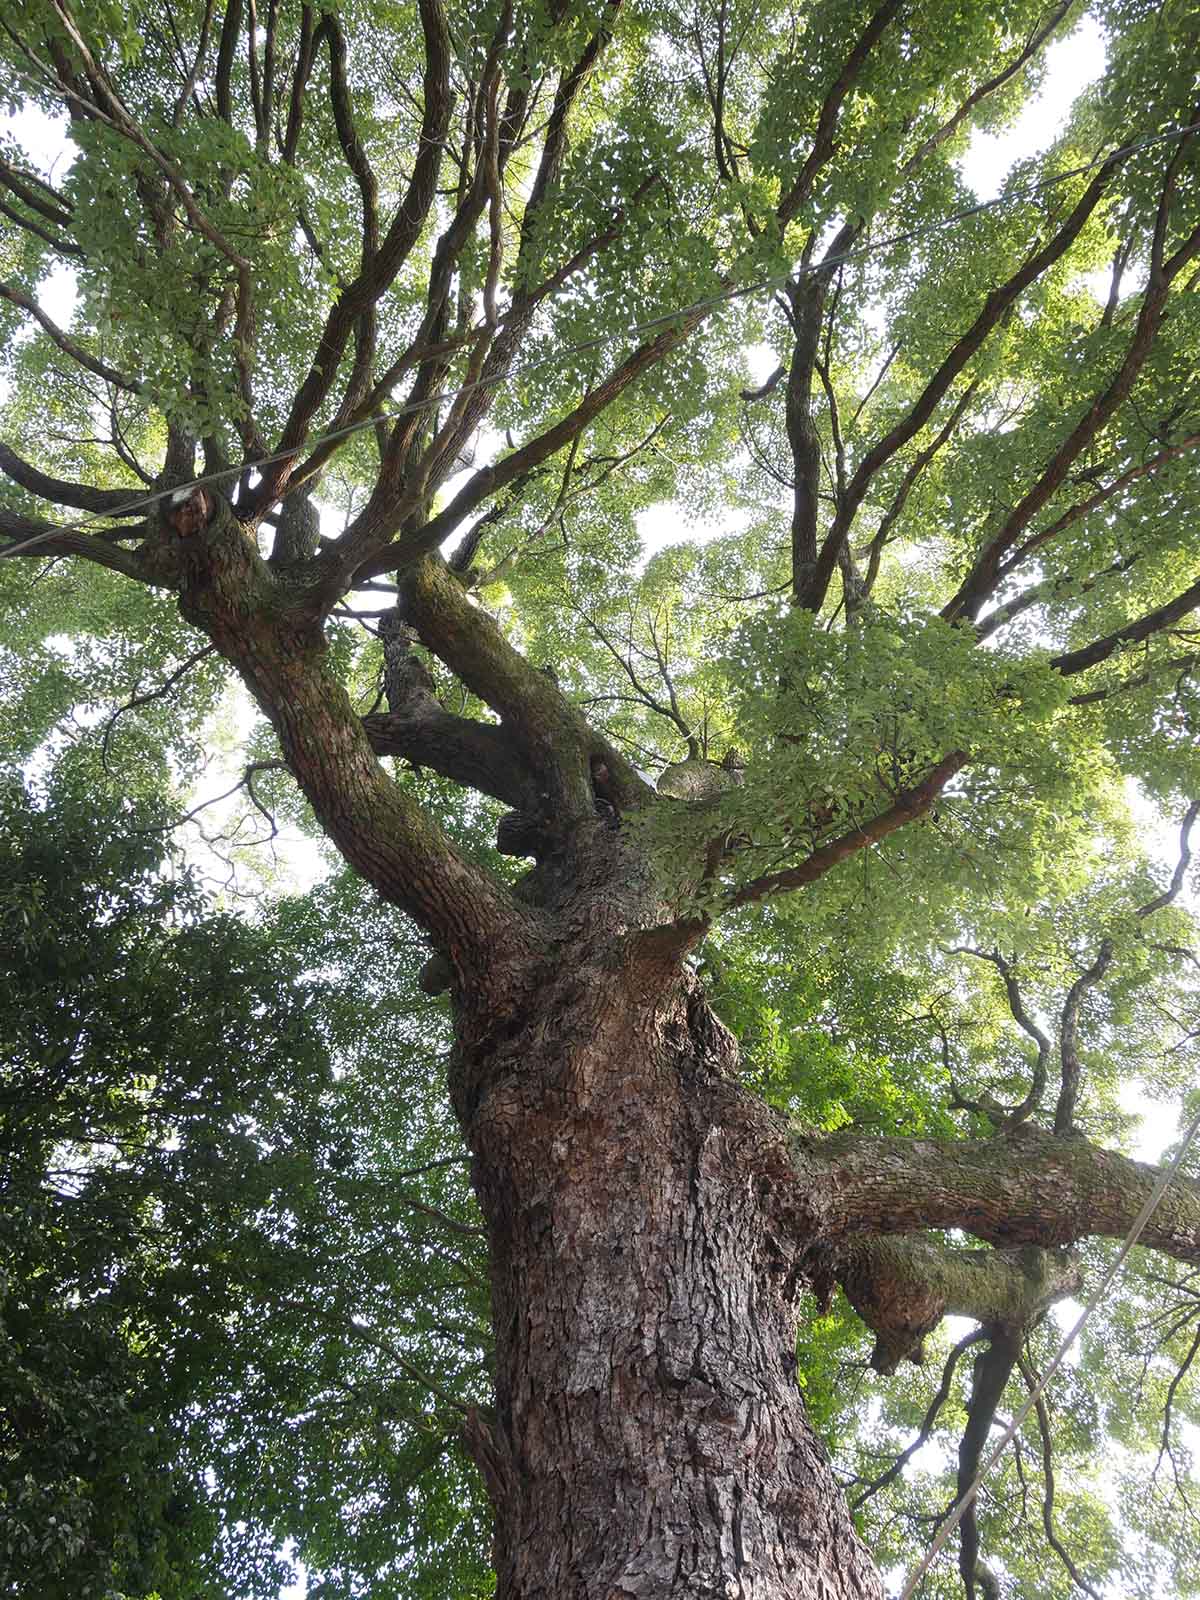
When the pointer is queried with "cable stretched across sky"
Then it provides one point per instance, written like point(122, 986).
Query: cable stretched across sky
point(661, 320)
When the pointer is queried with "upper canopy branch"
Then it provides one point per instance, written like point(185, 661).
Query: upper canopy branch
point(1068, 1038)
point(69, 347)
point(1143, 627)
point(498, 339)
point(990, 567)
point(1182, 863)
point(40, 211)
point(386, 262)
point(1005, 1116)
point(1087, 978)
point(823, 145)
point(1042, 1412)
point(1074, 514)
point(367, 549)
point(996, 304)
point(1029, 49)
point(36, 193)
point(330, 29)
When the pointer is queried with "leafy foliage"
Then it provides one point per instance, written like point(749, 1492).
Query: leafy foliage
point(224, 1300)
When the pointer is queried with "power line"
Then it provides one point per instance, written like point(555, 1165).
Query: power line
point(1161, 1184)
point(661, 320)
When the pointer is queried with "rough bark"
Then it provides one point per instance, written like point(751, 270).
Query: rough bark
point(1029, 1187)
point(650, 1227)
point(903, 1287)
point(649, 1437)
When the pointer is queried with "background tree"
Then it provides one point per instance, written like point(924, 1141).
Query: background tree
point(241, 1289)
point(490, 276)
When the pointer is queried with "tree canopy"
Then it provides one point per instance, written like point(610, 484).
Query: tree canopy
point(389, 323)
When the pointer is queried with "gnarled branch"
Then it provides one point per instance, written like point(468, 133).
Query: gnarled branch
point(1028, 1187)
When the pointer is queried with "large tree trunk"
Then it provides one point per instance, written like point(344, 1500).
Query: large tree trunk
point(650, 1438)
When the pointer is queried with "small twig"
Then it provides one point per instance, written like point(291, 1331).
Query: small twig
point(1009, 1117)
point(243, 783)
point(268, 816)
point(926, 1428)
point(159, 693)
point(1181, 866)
point(1168, 1405)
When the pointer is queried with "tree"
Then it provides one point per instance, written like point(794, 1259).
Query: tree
point(482, 280)
point(218, 1268)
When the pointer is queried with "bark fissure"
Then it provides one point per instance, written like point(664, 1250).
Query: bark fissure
point(649, 1436)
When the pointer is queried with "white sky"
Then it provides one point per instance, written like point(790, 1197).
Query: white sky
point(1072, 64)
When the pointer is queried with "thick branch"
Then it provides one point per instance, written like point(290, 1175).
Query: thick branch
point(1165, 616)
point(306, 50)
point(228, 591)
point(36, 538)
point(1028, 1187)
point(908, 805)
point(80, 496)
point(992, 1370)
point(477, 755)
point(551, 735)
point(807, 300)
